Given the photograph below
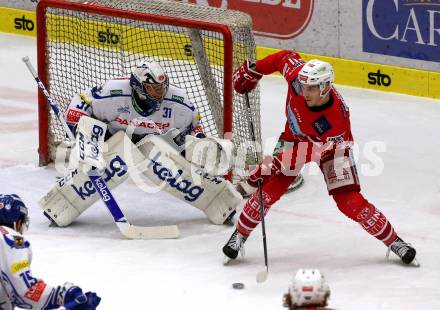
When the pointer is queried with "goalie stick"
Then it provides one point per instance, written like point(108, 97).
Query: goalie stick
point(128, 230)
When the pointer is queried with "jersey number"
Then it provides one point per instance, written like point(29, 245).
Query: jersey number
point(166, 113)
point(83, 106)
point(28, 279)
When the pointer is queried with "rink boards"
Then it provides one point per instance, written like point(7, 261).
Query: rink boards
point(348, 72)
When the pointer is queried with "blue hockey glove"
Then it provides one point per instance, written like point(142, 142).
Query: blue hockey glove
point(73, 298)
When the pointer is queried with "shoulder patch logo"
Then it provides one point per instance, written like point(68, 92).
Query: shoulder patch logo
point(19, 242)
point(116, 92)
point(177, 98)
point(14, 241)
point(321, 125)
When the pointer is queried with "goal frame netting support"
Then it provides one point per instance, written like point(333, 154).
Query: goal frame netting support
point(42, 58)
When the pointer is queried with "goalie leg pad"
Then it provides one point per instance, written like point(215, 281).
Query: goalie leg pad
point(74, 193)
point(59, 210)
point(162, 165)
point(165, 167)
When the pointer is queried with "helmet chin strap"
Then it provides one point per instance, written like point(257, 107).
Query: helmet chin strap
point(321, 88)
point(141, 96)
point(19, 226)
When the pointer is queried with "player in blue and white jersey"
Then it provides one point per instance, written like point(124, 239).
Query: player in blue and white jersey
point(18, 286)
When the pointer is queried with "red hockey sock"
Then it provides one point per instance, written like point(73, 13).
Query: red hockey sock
point(357, 208)
point(250, 217)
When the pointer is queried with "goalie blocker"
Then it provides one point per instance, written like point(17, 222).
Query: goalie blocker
point(153, 158)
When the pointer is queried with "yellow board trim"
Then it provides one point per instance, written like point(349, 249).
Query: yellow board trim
point(107, 35)
point(348, 72)
point(18, 22)
point(355, 73)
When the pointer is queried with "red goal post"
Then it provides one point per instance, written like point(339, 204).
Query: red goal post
point(83, 43)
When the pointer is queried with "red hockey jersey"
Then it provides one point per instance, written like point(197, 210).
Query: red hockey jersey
point(327, 123)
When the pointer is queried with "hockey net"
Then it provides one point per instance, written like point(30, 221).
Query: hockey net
point(84, 43)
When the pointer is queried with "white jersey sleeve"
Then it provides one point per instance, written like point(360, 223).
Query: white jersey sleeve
point(80, 105)
point(104, 102)
point(19, 288)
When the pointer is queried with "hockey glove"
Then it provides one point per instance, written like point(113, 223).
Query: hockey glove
point(264, 171)
point(72, 298)
point(245, 78)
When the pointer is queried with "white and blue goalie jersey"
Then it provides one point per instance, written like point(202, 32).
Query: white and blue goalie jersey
point(112, 104)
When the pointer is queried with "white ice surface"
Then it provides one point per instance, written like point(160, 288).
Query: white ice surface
point(305, 229)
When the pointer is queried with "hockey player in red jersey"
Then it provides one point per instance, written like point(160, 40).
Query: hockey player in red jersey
point(318, 125)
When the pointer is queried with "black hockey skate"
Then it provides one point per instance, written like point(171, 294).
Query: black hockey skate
point(234, 246)
point(404, 250)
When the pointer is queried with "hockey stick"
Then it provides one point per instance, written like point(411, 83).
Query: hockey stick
point(128, 230)
point(262, 275)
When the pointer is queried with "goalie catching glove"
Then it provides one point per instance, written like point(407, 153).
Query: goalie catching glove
point(213, 155)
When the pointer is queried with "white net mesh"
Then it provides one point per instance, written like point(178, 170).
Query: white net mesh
point(85, 49)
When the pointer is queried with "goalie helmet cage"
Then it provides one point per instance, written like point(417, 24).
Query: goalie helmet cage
point(84, 43)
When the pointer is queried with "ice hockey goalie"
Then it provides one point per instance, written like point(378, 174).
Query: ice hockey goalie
point(148, 121)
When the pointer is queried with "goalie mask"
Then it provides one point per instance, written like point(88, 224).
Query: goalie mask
point(13, 213)
point(317, 73)
point(309, 288)
point(149, 84)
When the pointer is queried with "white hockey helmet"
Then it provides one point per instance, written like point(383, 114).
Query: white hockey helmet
point(317, 72)
point(150, 84)
point(309, 288)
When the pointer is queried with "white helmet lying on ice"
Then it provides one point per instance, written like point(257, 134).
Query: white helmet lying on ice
point(308, 288)
point(150, 84)
point(317, 72)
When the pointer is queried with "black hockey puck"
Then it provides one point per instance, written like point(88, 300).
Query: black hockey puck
point(238, 286)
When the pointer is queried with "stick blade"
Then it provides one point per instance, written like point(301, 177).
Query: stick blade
point(226, 260)
point(415, 263)
point(158, 232)
point(262, 276)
